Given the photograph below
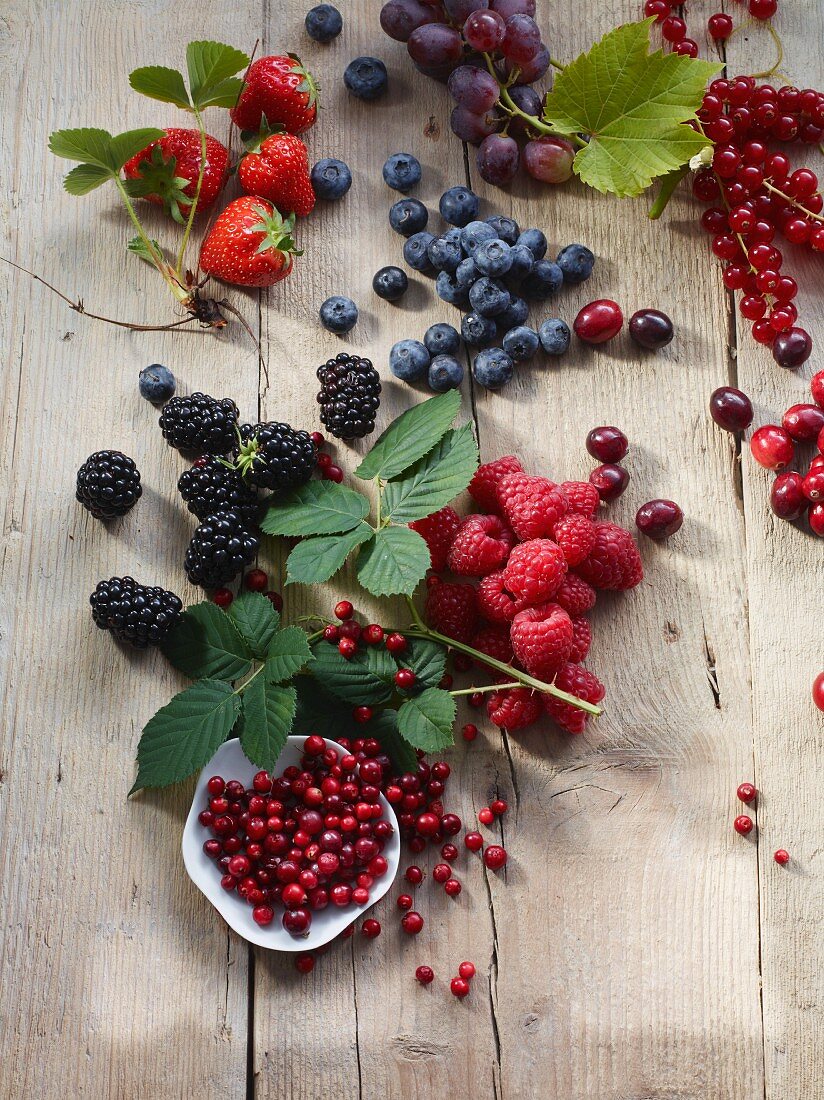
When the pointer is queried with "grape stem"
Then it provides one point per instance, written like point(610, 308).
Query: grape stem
point(508, 104)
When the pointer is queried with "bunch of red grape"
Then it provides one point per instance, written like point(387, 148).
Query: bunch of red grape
point(490, 52)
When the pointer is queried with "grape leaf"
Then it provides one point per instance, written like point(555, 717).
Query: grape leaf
point(365, 678)
point(632, 106)
point(394, 562)
point(207, 644)
point(288, 653)
point(185, 734)
point(266, 719)
point(316, 559)
point(316, 508)
point(256, 619)
point(434, 480)
point(426, 720)
point(410, 436)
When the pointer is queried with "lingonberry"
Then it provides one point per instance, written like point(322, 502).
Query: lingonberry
point(495, 857)
point(344, 610)
point(256, 580)
point(371, 928)
point(803, 422)
point(598, 321)
point(467, 971)
point(361, 715)
point(412, 923)
point(414, 875)
point(658, 519)
point(304, 963)
point(425, 975)
point(787, 498)
point(651, 329)
point(372, 634)
point(731, 409)
point(449, 852)
point(297, 921)
point(396, 643)
point(781, 856)
point(610, 480)
point(498, 806)
point(772, 447)
point(607, 444)
point(263, 915)
point(215, 785)
point(486, 816)
point(469, 732)
point(222, 597)
point(347, 647)
point(452, 887)
point(404, 901)
point(818, 691)
point(405, 678)
point(474, 841)
point(743, 824)
point(441, 872)
point(459, 987)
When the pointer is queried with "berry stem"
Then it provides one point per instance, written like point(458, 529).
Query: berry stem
point(779, 45)
point(485, 689)
point(793, 202)
point(509, 105)
point(193, 208)
point(157, 259)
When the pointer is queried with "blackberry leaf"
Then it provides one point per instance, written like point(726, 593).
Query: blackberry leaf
point(256, 619)
point(394, 562)
point(320, 713)
point(316, 559)
point(266, 720)
point(426, 659)
point(359, 680)
point(288, 653)
point(435, 480)
point(207, 643)
point(410, 436)
point(426, 720)
point(316, 508)
point(384, 727)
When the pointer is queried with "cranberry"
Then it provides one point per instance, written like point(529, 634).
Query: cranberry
point(598, 321)
point(405, 678)
point(297, 921)
point(404, 901)
point(314, 745)
point(449, 852)
point(239, 866)
point(216, 785)
point(495, 857)
point(333, 473)
point(813, 485)
point(305, 963)
point(340, 894)
point(396, 643)
point(344, 610)
point(486, 816)
point(371, 928)
point(256, 580)
point(787, 498)
point(360, 895)
point(651, 328)
point(441, 872)
point(412, 923)
point(792, 347)
point(452, 887)
point(347, 647)
point(746, 792)
point(772, 447)
point(498, 807)
point(610, 480)
point(467, 970)
point(427, 824)
point(816, 519)
point(263, 915)
point(803, 422)
point(414, 875)
point(459, 987)
point(446, 681)
point(228, 882)
point(743, 824)
point(818, 691)
point(607, 444)
point(450, 824)
point(206, 817)
point(474, 841)
point(469, 732)
point(293, 896)
point(222, 597)
point(817, 388)
point(781, 856)
point(372, 634)
point(731, 409)
point(262, 782)
point(212, 848)
point(393, 794)
point(425, 975)
point(331, 634)
point(658, 519)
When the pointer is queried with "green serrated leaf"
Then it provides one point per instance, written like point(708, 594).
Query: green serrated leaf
point(124, 146)
point(316, 559)
point(359, 680)
point(633, 106)
point(206, 643)
point(225, 94)
point(87, 144)
point(426, 659)
point(266, 721)
point(288, 653)
point(410, 436)
point(210, 64)
point(85, 178)
point(138, 246)
point(434, 480)
point(316, 508)
point(158, 82)
point(384, 728)
point(185, 734)
point(321, 713)
point(426, 720)
point(394, 562)
point(256, 620)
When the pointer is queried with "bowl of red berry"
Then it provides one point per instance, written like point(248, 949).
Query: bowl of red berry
point(291, 859)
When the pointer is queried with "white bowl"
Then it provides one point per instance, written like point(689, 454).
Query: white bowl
point(230, 762)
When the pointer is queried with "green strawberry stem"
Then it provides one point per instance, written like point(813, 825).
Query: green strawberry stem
point(179, 292)
point(181, 256)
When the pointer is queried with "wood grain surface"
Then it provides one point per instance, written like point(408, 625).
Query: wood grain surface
point(635, 948)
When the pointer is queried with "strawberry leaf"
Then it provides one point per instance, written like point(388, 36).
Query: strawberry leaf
point(210, 66)
point(224, 94)
point(632, 106)
point(394, 562)
point(124, 146)
point(138, 246)
point(410, 436)
point(266, 719)
point(85, 178)
point(87, 144)
point(316, 559)
point(435, 480)
point(158, 82)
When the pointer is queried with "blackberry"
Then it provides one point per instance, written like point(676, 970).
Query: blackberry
point(275, 456)
point(219, 549)
point(211, 486)
point(200, 424)
point(349, 396)
point(137, 614)
point(108, 484)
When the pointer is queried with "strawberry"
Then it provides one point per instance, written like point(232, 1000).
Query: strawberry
point(166, 172)
point(250, 244)
point(277, 169)
point(280, 89)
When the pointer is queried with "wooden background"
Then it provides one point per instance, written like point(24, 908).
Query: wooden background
point(636, 947)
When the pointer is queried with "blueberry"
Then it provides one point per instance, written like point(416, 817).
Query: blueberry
point(157, 383)
point(390, 283)
point(366, 77)
point(408, 216)
point(576, 262)
point(409, 360)
point(331, 178)
point(459, 206)
point(323, 23)
point(492, 368)
point(514, 315)
point(544, 279)
point(554, 335)
point(493, 258)
point(449, 290)
point(454, 234)
point(521, 343)
point(505, 228)
point(474, 234)
point(488, 297)
point(522, 263)
point(535, 241)
point(415, 252)
point(444, 255)
point(442, 339)
point(477, 330)
point(466, 273)
point(338, 314)
point(445, 373)
point(402, 171)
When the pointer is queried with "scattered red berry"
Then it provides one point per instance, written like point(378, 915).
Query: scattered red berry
point(781, 856)
point(598, 321)
point(719, 26)
point(787, 498)
point(452, 887)
point(222, 597)
point(743, 824)
point(607, 444)
point(474, 841)
point(414, 875)
point(425, 975)
point(412, 923)
point(304, 963)
point(469, 732)
point(803, 422)
point(746, 793)
point(731, 409)
point(498, 807)
point(371, 928)
point(818, 691)
point(396, 643)
point(256, 580)
point(467, 971)
point(817, 388)
point(610, 480)
point(405, 678)
point(658, 519)
point(441, 872)
point(495, 857)
point(486, 816)
point(459, 987)
point(772, 447)
point(333, 473)
point(344, 610)
point(362, 714)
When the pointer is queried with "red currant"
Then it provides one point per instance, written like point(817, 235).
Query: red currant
point(743, 824)
point(347, 648)
point(467, 970)
point(425, 975)
point(746, 792)
point(361, 714)
point(459, 987)
point(256, 580)
point(781, 856)
point(719, 26)
point(372, 634)
point(396, 643)
point(344, 610)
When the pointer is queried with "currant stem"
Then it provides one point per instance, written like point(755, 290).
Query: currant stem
point(794, 202)
point(193, 208)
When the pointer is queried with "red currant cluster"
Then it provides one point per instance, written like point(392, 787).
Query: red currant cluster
point(719, 26)
point(744, 824)
point(329, 471)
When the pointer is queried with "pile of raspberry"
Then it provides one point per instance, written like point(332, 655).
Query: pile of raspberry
point(537, 557)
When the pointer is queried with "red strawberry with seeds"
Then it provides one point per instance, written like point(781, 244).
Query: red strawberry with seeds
point(481, 546)
point(614, 561)
point(495, 602)
point(167, 170)
point(532, 505)
point(277, 169)
point(483, 488)
point(452, 610)
point(578, 681)
point(250, 244)
point(514, 708)
point(535, 570)
point(575, 535)
point(280, 89)
point(542, 638)
point(438, 532)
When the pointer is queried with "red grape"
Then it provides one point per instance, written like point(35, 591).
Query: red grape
point(471, 127)
point(474, 89)
point(435, 44)
point(498, 159)
point(531, 70)
point(400, 17)
point(522, 40)
point(484, 31)
point(513, 7)
point(549, 159)
point(458, 10)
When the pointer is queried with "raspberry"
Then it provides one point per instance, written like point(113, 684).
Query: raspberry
point(438, 532)
point(614, 561)
point(533, 505)
point(542, 638)
point(495, 642)
point(577, 681)
point(576, 536)
point(494, 602)
point(483, 486)
point(575, 596)
point(535, 570)
point(514, 708)
point(583, 498)
point(481, 546)
point(452, 609)
point(581, 639)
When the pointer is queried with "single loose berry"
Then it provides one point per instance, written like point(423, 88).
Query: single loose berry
point(731, 409)
point(371, 928)
point(414, 875)
point(658, 519)
point(743, 824)
point(607, 444)
point(263, 915)
point(441, 872)
point(459, 987)
point(467, 970)
point(256, 580)
point(474, 841)
point(404, 901)
point(304, 963)
point(746, 793)
point(651, 329)
point(449, 852)
point(781, 856)
point(486, 816)
point(598, 321)
point(412, 923)
point(361, 714)
point(469, 732)
point(372, 634)
point(347, 648)
point(344, 610)
point(405, 678)
point(498, 807)
point(610, 480)
point(787, 498)
point(333, 473)
point(792, 347)
point(818, 691)
point(396, 643)
point(452, 887)
point(495, 857)
point(425, 975)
